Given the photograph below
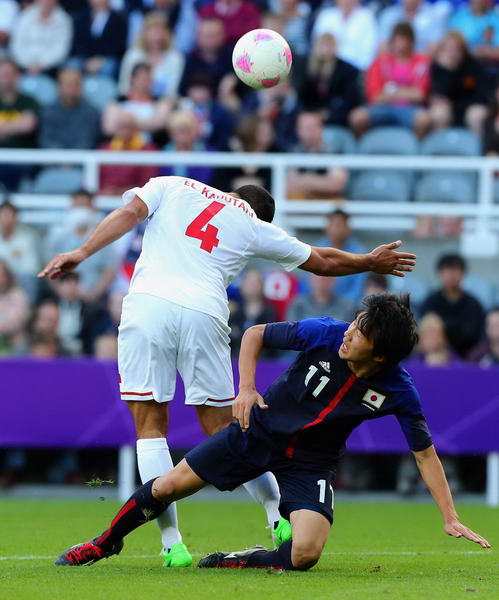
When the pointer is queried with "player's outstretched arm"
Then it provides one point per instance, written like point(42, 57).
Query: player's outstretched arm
point(116, 224)
point(248, 396)
point(433, 475)
point(384, 259)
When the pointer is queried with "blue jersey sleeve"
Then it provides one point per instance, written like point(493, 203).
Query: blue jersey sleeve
point(412, 421)
point(305, 334)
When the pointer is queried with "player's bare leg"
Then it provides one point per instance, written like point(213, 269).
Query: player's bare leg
point(154, 460)
point(263, 489)
point(310, 531)
point(146, 504)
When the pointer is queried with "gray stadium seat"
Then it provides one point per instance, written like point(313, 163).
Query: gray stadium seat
point(99, 91)
point(339, 140)
point(455, 141)
point(381, 186)
point(40, 87)
point(57, 180)
point(446, 186)
point(388, 140)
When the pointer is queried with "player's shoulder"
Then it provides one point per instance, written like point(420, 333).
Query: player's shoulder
point(400, 383)
point(324, 331)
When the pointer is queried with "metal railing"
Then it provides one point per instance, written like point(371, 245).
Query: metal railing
point(306, 213)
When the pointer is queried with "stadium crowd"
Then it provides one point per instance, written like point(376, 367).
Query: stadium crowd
point(157, 75)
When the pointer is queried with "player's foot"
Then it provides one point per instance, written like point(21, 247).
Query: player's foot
point(229, 560)
point(177, 556)
point(86, 554)
point(282, 532)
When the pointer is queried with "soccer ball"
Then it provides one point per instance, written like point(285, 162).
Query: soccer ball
point(262, 58)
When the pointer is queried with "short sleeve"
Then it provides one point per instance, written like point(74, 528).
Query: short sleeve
point(152, 193)
point(303, 335)
point(412, 421)
point(273, 243)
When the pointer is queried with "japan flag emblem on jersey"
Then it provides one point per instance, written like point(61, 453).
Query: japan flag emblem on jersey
point(373, 400)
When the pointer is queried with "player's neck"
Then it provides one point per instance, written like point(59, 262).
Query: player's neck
point(364, 370)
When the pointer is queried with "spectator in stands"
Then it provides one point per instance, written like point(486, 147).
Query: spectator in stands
point(211, 57)
point(154, 47)
point(18, 121)
point(428, 20)
point(9, 10)
point(354, 29)
point(44, 325)
point(100, 35)
point(491, 128)
point(43, 346)
point(459, 86)
point(375, 283)
point(71, 122)
point(310, 182)
point(486, 354)
point(330, 84)
point(433, 348)
point(41, 38)
point(321, 300)
point(292, 17)
point(106, 347)
point(150, 114)
point(185, 136)
point(19, 248)
point(461, 312)
point(397, 85)
point(253, 134)
point(251, 310)
point(98, 271)
point(116, 179)
point(215, 121)
point(339, 235)
point(238, 17)
point(14, 311)
point(479, 23)
point(83, 198)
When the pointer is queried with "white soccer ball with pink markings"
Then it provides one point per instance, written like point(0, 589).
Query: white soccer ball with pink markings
point(262, 58)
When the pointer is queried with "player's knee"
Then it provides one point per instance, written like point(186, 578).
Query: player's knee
point(305, 555)
point(164, 487)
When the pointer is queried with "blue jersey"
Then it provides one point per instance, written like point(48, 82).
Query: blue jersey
point(317, 402)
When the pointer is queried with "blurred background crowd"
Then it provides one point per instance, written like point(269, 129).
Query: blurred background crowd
point(144, 75)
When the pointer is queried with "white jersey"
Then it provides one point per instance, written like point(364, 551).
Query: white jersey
point(198, 239)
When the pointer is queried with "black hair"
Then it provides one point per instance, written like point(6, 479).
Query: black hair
point(377, 279)
point(8, 204)
point(338, 213)
point(260, 201)
point(139, 67)
point(451, 261)
point(83, 192)
point(387, 321)
point(404, 30)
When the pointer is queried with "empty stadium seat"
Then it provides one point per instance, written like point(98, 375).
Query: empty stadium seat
point(57, 180)
point(381, 186)
point(388, 140)
point(40, 87)
point(339, 140)
point(99, 91)
point(455, 141)
point(446, 186)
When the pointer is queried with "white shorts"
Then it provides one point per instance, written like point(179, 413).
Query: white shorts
point(157, 338)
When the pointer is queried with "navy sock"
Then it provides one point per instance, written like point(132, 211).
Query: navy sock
point(140, 508)
point(278, 559)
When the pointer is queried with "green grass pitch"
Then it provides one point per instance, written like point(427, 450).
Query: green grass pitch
point(375, 550)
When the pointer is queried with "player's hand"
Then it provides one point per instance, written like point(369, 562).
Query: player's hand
point(62, 263)
point(243, 404)
point(388, 261)
point(456, 529)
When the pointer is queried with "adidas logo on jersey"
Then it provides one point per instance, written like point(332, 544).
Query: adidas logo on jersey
point(373, 400)
point(325, 365)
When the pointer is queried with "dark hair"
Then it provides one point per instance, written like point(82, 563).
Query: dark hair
point(8, 204)
point(141, 66)
point(403, 30)
point(377, 279)
point(338, 213)
point(83, 192)
point(260, 201)
point(451, 261)
point(387, 321)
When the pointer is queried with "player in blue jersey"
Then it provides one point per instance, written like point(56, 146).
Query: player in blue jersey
point(345, 374)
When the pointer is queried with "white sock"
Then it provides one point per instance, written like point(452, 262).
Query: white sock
point(154, 459)
point(264, 489)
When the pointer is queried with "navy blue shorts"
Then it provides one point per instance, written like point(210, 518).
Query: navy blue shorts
point(232, 457)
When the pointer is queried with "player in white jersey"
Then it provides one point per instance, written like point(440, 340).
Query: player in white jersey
point(175, 316)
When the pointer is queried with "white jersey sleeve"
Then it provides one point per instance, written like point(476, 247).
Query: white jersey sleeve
point(273, 243)
point(152, 193)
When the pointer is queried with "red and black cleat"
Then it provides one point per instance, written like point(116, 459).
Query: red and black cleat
point(229, 560)
point(86, 554)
